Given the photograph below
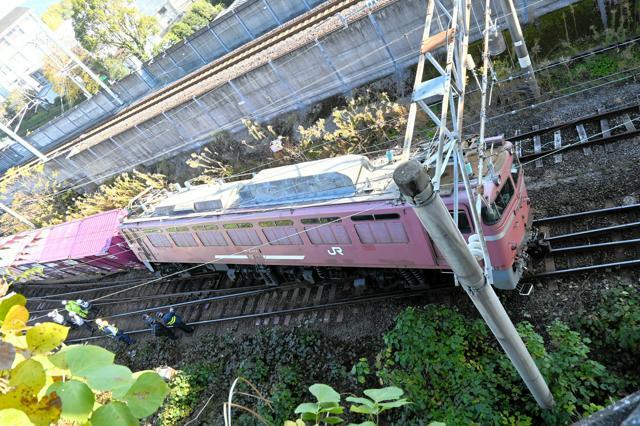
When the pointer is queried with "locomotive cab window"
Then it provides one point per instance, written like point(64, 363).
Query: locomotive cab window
point(515, 173)
point(463, 222)
point(492, 212)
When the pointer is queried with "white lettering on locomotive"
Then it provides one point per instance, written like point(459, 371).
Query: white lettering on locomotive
point(333, 251)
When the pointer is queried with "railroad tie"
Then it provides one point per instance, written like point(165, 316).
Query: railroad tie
point(290, 303)
point(605, 131)
point(582, 134)
point(628, 124)
point(537, 147)
point(316, 301)
point(305, 300)
point(331, 298)
point(557, 144)
point(261, 306)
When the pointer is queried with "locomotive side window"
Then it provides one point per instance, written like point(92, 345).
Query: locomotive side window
point(329, 234)
point(211, 238)
point(492, 213)
point(158, 240)
point(381, 233)
point(282, 236)
point(183, 239)
point(320, 220)
point(244, 237)
point(381, 216)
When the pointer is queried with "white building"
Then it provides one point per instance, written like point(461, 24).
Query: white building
point(21, 56)
point(24, 44)
point(166, 11)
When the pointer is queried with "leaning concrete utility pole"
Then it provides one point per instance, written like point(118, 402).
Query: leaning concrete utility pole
point(513, 23)
point(13, 135)
point(415, 184)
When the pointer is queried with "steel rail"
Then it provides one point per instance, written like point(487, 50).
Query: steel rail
point(196, 293)
point(587, 247)
point(351, 301)
point(580, 120)
point(588, 142)
point(586, 213)
point(246, 51)
point(594, 231)
point(621, 264)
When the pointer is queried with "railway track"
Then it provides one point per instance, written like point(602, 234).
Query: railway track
point(306, 28)
point(214, 299)
point(602, 128)
point(572, 243)
point(589, 240)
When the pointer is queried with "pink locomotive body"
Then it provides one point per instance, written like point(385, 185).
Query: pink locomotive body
point(341, 212)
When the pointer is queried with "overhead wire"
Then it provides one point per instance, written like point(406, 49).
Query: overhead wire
point(258, 246)
point(238, 122)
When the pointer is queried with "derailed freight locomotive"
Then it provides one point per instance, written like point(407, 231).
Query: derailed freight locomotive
point(304, 221)
point(340, 217)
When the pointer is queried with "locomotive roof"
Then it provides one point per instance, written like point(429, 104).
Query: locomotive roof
point(311, 182)
point(333, 180)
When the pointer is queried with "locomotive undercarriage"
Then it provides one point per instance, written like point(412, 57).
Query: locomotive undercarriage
point(360, 278)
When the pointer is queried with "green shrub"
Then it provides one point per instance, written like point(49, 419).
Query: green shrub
point(453, 371)
point(614, 328)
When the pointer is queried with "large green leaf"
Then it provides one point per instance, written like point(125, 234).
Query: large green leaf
point(359, 400)
point(115, 378)
point(114, 413)
point(9, 300)
point(14, 417)
point(324, 393)
point(146, 395)
point(77, 399)
point(46, 337)
point(384, 394)
point(363, 409)
point(331, 420)
point(81, 359)
point(15, 319)
point(393, 404)
point(307, 407)
point(30, 374)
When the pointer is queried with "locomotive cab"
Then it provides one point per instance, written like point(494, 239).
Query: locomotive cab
point(506, 218)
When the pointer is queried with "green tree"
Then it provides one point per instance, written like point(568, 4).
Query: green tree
point(116, 194)
point(16, 100)
point(57, 13)
point(56, 69)
point(113, 24)
point(33, 194)
point(199, 15)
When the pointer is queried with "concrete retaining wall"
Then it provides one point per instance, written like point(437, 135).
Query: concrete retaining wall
point(229, 31)
point(369, 47)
